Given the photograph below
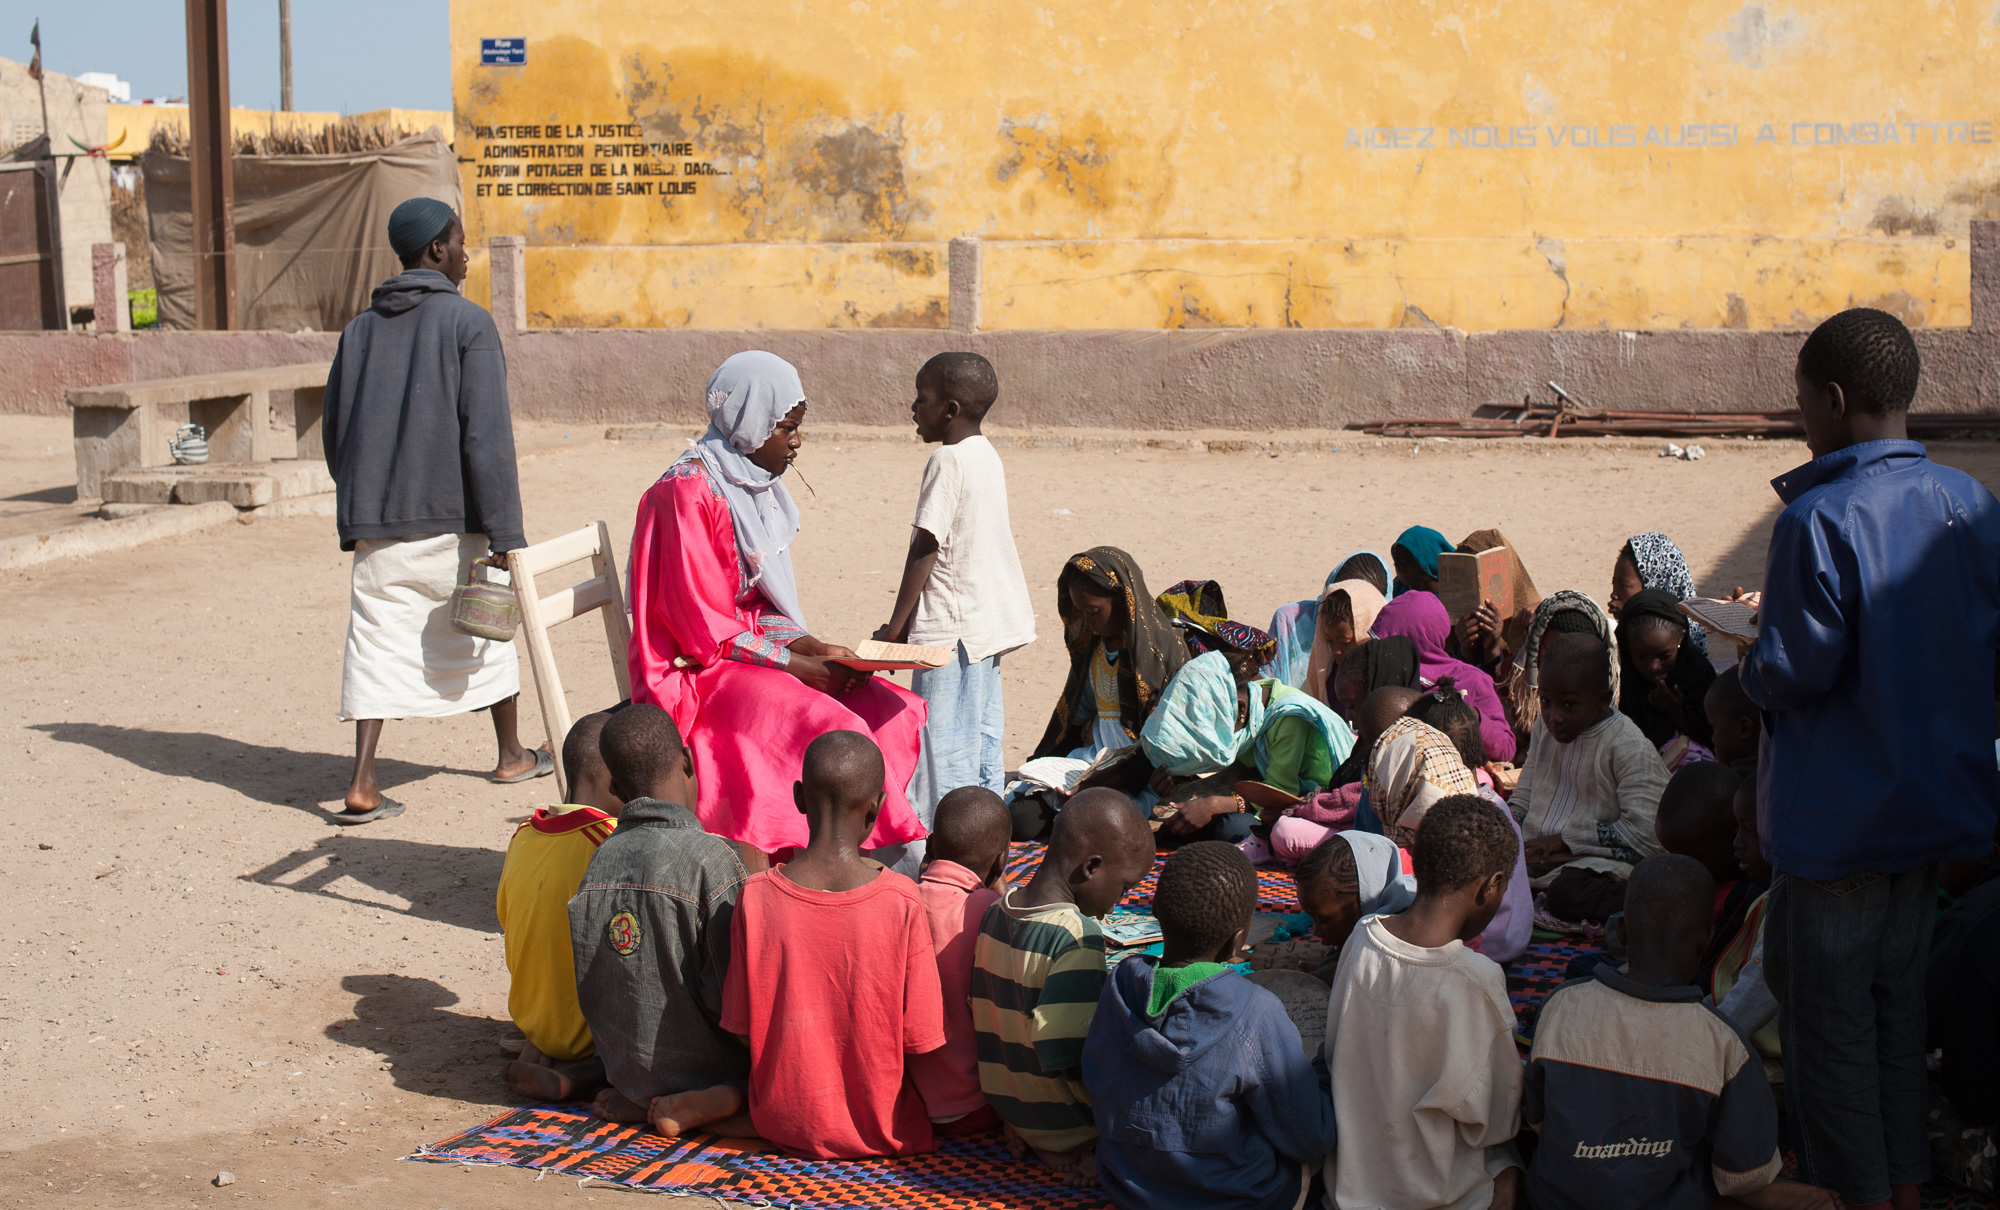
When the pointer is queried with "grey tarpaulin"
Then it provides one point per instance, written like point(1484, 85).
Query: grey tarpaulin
point(312, 231)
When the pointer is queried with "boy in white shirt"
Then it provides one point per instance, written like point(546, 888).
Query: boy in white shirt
point(1420, 1036)
point(962, 586)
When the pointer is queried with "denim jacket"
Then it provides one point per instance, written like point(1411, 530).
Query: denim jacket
point(1875, 661)
point(650, 928)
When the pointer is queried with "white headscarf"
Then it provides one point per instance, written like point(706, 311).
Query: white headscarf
point(747, 396)
point(1385, 889)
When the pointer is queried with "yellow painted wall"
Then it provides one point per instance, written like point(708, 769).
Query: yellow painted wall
point(1223, 163)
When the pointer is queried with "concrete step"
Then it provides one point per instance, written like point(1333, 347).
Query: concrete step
point(243, 484)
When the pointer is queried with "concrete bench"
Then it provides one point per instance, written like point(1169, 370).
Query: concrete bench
point(118, 427)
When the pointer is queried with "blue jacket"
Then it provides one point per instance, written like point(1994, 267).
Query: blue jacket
point(1213, 1104)
point(1875, 661)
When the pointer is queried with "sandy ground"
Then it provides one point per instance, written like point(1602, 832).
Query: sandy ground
point(197, 965)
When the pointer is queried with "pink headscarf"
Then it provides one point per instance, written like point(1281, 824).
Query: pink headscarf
point(1422, 618)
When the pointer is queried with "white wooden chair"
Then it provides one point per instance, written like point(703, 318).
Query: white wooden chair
point(539, 614)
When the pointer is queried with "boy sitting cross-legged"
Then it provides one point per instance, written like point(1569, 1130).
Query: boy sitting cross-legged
point(1037, 973)
point(1203, 1093)
point(650, 926)
point(545, 862)
point(832, 979)
point(966, 860)
point(1644, 1096)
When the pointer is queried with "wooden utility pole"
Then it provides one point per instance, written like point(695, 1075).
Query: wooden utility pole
point(213, 187)
point(285, 55)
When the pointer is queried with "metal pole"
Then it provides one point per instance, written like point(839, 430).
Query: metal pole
point(213, 184)
point(285, 55)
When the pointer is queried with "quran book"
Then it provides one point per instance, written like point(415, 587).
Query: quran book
point(873, 656)
point(1126, 930)
point(1731, 619)
point(1467, 581)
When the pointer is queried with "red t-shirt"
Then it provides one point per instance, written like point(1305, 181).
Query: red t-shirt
point(833, 988)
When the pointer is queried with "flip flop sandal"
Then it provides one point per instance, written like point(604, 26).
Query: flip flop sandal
point(545, 764)
point(389, 809)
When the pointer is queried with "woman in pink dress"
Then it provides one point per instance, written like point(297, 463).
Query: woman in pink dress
point(719, 640)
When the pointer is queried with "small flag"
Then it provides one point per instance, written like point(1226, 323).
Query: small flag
point(35, 64)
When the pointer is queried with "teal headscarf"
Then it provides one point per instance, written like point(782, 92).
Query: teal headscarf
point(1193, 730)
point(1423, 545)
point(1287, 702)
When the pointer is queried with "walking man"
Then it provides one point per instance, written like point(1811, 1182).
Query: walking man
point(421, 445)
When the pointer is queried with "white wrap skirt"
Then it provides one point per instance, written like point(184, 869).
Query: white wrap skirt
point(404, 660)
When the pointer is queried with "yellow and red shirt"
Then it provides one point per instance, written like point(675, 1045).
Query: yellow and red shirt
point(545, 864)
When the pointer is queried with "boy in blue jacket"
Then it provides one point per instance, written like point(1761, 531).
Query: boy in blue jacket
point(1203, 1092)
point(1878, 631)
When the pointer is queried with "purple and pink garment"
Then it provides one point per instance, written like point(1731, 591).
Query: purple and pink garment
point(1421, 618)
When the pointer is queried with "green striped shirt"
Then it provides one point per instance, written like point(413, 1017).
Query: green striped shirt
point(1036, 976)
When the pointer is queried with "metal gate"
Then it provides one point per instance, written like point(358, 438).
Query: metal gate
point(31, 285)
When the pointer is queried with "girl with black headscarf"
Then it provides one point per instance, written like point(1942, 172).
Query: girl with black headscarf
point(1662, 675)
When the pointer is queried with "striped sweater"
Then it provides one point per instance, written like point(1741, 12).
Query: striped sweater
point(1036, 977)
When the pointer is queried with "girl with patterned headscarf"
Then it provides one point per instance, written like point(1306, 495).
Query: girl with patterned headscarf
point(1565, 612)
point(1411, 768)
point(1123, 649)
point(1651, 560)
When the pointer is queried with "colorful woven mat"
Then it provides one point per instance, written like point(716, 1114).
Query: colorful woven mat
point(972, 1173)
point(1276, 892)
point(1536, 974)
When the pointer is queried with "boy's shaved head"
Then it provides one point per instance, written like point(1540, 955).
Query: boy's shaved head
point(1669, 905)
point(966, 377)
point(1380, 709)
point(1207, 891)
point(843, 768)
point(1580, 656)
point(641, 747)
point(581, 756)
point(1726, 698)
point(1098, 820)
point(1100, 848)
point(1697, 819)
point(971, 828)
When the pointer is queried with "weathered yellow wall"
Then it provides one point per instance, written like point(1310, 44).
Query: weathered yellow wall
point(1190, 163)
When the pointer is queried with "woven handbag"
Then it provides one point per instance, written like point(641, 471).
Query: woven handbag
point(484, 609)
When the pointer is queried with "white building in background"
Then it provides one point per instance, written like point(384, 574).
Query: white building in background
point(118, 90)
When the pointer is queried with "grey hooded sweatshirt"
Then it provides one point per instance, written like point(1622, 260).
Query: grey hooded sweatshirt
point(417, 431)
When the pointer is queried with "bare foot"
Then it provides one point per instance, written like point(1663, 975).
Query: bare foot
point(615, 1106)
point(1785, 1195)
point(683, 1112)
point(1067, 1164)
point(1084, 1175)
point(1016, 1145)
point(534, 1082)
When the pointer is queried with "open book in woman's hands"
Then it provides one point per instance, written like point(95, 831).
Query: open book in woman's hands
point(871, 655)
